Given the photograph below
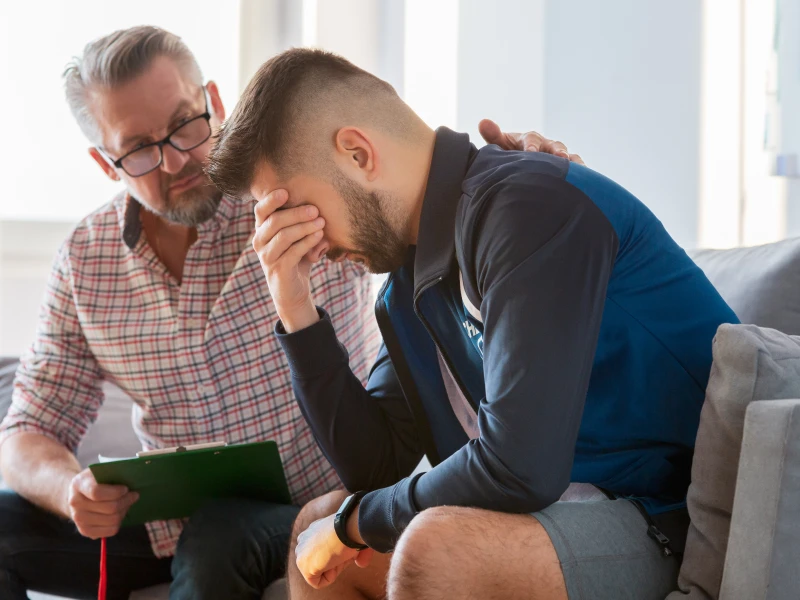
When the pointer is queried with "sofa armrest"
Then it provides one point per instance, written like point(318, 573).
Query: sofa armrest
point(764, 544)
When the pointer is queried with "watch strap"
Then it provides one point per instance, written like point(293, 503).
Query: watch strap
point(341, 518)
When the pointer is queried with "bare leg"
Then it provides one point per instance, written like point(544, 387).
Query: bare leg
point(353, 583)
point(465, 553)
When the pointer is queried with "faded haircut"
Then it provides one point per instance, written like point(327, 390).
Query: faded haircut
point(290, 112)
point(116, 59)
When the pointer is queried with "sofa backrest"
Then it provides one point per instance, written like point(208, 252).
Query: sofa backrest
point(761, 284)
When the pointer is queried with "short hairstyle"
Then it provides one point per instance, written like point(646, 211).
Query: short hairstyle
point(290, 111)
point(116, 59)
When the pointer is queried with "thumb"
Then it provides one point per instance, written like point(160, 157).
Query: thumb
point(490, 131)
point(130, 500)
point(364, 558)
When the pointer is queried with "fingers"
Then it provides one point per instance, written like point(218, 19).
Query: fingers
point(576, 159)
point(318, 251)
point(97, 509)
point(95, 533)
point(282, 219)
point(266, 206)
point(327, 577)
point(120, 506)
point(100, 519)
point(271, 245)
point(533, 142)
point(295, 253)
point(554, 147)
point(85, 483)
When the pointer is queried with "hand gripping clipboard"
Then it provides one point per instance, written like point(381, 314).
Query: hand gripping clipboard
point(175, 484)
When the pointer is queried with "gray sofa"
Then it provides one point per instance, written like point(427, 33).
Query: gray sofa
point(744, 542)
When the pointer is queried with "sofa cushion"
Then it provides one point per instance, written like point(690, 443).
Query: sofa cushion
point(760, 283)
point(750, 364)
point(764, 542)
point(8, 368)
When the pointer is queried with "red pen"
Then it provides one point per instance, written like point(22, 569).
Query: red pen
point(101, 588)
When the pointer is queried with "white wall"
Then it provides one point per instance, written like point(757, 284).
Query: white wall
point(789, 73)
point(618, 81)
point(501, 53)
point(622, 88)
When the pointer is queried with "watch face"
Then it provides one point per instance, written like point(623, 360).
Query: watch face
point(344, 504)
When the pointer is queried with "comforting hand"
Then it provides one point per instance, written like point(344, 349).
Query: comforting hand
point(284, 240)
point(529, 142)
point(96, 509)
point(321, 556)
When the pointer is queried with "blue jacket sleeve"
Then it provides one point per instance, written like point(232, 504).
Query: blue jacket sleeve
point(368, 435)
point(539, 255)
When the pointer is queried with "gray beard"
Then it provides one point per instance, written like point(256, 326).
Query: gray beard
point(192, 208)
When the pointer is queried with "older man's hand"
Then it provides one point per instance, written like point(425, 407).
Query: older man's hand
point(529, 142)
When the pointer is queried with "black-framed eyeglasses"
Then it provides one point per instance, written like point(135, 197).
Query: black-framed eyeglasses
point(185, 137)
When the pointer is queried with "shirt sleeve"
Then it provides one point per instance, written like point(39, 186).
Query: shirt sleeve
point(366, 432)
point(57, 390)
point(541, 255)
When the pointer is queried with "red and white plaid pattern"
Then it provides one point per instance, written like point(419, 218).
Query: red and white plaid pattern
point(198, 358)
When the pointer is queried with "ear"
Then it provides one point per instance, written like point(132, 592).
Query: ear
point(217, 108)
point(107, 167)
point(359, 151)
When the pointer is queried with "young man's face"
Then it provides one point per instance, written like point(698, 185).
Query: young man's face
point(358, 223)
point(147, 109)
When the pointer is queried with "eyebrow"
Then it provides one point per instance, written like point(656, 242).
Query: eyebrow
point(183, 105)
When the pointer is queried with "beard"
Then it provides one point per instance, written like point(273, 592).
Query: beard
point(374, 237)
point(193, 206)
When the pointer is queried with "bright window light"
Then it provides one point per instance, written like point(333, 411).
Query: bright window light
point(431, 60)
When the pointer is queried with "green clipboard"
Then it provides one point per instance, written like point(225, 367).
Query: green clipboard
point(175, 485)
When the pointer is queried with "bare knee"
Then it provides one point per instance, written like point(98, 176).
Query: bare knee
point(422, 563)
point(318, 508)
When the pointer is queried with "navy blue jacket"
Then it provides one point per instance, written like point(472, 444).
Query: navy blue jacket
point(576, 328)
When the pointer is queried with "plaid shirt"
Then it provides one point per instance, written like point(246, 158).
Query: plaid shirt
point(198, 358)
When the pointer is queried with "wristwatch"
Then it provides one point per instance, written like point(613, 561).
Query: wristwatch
point(340, 520)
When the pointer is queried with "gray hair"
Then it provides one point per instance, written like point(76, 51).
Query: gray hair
point(116, 59)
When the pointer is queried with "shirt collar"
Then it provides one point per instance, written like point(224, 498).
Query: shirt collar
point(452, 153)
point(130, 223)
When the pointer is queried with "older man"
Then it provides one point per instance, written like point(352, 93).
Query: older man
point(160, 292)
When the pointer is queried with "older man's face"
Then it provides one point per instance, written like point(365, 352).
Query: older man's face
point(145, 110)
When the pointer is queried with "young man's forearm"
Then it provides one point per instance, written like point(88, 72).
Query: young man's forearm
point(39, 469)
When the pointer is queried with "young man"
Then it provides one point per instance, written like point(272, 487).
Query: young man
point(540, 328)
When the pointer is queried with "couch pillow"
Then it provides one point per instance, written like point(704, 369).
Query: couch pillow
point(764, 543)
point(760, 283)
point(750, 364)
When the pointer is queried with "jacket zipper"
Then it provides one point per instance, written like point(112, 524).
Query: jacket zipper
point(653, 531)
point(444, 356)
point(404, 377)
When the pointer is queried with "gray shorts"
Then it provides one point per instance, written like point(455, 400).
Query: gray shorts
point(605, 551)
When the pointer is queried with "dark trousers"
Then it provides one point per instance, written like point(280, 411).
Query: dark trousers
point(229, 549)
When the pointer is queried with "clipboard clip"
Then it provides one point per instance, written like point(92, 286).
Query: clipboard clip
point(147, 453)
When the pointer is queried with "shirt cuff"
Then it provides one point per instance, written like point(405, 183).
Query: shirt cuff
point(384, 514)
point(313, 350)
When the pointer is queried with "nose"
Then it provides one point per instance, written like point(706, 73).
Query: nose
point(174, 160)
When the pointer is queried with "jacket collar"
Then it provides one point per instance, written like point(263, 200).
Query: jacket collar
point(452, 154)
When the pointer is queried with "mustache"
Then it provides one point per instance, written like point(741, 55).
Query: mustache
point(188, 170)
